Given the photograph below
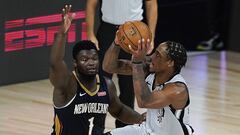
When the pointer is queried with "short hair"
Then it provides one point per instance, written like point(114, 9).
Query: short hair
point(178, 54)
point(82, 45)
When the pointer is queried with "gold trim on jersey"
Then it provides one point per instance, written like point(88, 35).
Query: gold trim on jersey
point(58, 126)
point(84, 88)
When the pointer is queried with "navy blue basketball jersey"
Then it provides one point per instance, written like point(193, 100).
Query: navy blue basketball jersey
point(85, 114)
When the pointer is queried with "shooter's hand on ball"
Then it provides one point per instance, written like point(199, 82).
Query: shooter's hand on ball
point(139, 55)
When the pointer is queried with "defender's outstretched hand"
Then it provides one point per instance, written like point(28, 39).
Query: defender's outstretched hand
point(67, 18)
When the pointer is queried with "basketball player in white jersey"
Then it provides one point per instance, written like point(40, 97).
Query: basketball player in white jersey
point(158, 87)
point(113, 14)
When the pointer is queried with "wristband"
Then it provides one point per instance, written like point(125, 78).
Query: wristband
point(137, 62)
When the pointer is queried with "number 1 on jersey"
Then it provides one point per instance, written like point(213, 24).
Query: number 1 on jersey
point(90, 125)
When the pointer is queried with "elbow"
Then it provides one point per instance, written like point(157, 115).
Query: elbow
point(142, 104)
point(107, 69)
point(53, 59)
point(52, 62)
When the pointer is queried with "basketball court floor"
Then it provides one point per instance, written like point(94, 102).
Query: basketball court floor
point(213, 79)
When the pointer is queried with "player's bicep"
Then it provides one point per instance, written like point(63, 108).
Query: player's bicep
point(157, 100)
point(59, 74)
point(169, 95)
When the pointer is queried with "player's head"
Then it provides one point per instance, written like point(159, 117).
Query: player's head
point(169, 55)
point(85, 57)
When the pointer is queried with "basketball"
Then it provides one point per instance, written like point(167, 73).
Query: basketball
point(131, 32)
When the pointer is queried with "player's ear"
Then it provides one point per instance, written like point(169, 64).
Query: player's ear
point(170, 63)
point(74, 63)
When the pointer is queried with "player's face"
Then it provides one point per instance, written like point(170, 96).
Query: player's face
point(87, 62)
point(160, 59)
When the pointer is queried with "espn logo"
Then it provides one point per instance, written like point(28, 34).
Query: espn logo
point(40, 31)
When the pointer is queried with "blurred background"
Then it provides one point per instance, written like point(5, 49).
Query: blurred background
point(28, 28)
point(209, 30)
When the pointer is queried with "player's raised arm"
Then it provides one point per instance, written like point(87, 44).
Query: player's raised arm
point(58, 69)
point(141, 89)
point(127, 38)
point(112, 64)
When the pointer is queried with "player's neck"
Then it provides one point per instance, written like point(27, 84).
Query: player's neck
point(90, 83)
point(86, 79)
point(161, 78)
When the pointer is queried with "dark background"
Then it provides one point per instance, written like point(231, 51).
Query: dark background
point(29, 64)
point(192, 21)
point(186, 21)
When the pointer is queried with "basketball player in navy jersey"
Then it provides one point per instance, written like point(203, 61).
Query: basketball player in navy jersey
point(83, 97)
point(158, 87)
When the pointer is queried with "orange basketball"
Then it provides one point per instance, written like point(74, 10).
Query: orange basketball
point(131, 32)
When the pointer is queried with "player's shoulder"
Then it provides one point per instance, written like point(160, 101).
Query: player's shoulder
point(178, 79)
point(150, 77)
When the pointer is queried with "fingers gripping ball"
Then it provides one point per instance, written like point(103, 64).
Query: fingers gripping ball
point(131, 32)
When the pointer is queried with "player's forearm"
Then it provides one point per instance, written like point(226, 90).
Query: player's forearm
point(152, 15)
point(58, 48)
point(90, 16)
point(129, 116)
point(110, 61)
point(141, 90)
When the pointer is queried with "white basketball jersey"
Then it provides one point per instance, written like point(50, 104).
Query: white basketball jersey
point(167, 120)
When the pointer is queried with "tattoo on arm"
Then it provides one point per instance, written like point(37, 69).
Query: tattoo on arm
point(112, 64)
point(113, 58)
point(140, 88)
point(110, 58)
